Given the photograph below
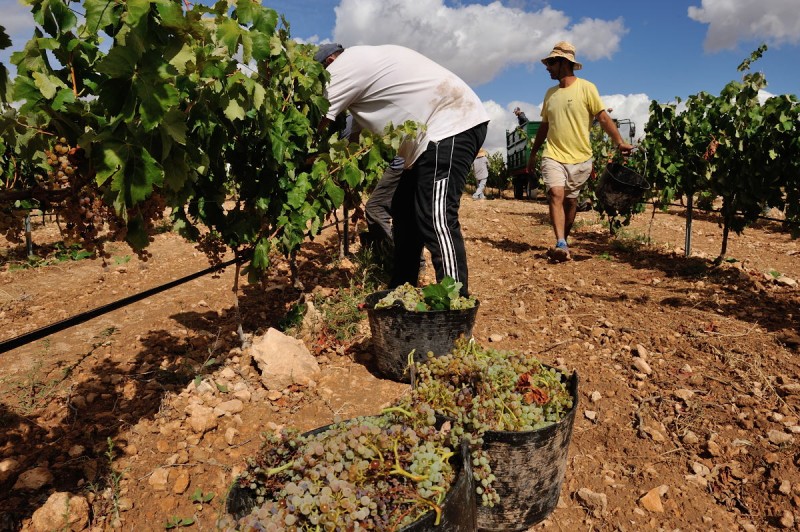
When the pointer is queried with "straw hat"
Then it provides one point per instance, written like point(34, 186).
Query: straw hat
point(482, 153)
point(567, 51)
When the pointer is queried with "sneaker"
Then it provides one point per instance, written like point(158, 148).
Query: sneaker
point(560, 253)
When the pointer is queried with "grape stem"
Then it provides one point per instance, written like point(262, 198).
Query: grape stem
point(398, 410)
point(276, 470)
point(398, 469)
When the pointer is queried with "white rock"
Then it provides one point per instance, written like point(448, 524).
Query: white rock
point(779, 437)
point(642, 365)
point(159, 479)
point(234, 406)
point(496, 337)
point(7, 468)
point(596, 503)
point(283, 360)
point(642, 352)
point(230, 435)
point(201, 418)
point(62, 511)
point(786, 281)
point(690, 438)
point(591, 415)
point(787, 519)
point(595, 396)
point(683, 394)
point(243, 395)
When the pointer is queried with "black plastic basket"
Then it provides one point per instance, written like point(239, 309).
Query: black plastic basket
point(459, 508)
point(529, 468)
point(620, 188)
point(397, 331)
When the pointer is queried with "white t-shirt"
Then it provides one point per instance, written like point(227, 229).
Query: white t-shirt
point(389, 83)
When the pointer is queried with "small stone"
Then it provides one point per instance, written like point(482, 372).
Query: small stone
point(683, 394)
point(76, 451)
point(34, 479)
point(124, 504)
point(274, 395)
point(713, 448)
point(785, 487)
point(181, 483)
point(642, 365)
point(779, 437)
point(790, 389)
point(590, 415)
point(596, 503)
point(62, 511)
point(690, 438)
point(230, 435)
point(771, 458)
point(787, 519)
point(495, 337)
point(595, 397)
point(234, 406)
point(701, 469)
point(642, 352)
point(159, 479)
point(651, 501)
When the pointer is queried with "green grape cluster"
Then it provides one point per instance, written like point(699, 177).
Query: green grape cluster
point(373, 473)
point(63, 164)
point(440, 296)
point(482, 389)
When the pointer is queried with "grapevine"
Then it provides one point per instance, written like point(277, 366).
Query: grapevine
point(207, 113)
point(375, 473)
point(483, 389)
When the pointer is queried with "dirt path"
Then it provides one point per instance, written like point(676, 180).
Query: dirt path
point(707, 426)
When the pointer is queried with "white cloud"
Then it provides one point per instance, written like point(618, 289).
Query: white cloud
point(732, 21)
point(475, 41)
point(634, 107)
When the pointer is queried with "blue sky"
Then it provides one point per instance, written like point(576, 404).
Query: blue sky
point(634, 52)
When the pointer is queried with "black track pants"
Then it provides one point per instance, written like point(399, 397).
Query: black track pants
point(425, 209)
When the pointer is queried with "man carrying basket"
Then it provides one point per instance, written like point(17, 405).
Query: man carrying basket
point(567, 114)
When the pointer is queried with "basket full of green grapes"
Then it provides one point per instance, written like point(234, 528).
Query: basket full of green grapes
point(517, 415)
point(393, 471)
point(417, 320)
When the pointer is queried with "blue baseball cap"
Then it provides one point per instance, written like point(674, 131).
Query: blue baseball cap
point(326, 50)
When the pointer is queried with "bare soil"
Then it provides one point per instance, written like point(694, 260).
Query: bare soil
point(710, 432)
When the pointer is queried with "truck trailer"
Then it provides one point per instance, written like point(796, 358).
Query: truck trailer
point(518, 150)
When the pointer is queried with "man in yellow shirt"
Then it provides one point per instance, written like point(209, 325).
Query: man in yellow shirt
point(567, 114)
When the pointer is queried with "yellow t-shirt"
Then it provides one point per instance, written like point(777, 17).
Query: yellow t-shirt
point(569, 113)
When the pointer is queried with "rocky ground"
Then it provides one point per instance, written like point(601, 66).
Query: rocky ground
point(689, 390)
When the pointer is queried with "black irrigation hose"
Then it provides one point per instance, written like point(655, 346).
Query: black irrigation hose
point(40, 333)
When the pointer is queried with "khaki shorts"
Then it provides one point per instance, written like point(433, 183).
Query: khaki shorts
point(570, 176)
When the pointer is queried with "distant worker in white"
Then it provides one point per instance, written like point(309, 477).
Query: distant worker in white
point(393, 84)
point(480, 167)
point(567, 114)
